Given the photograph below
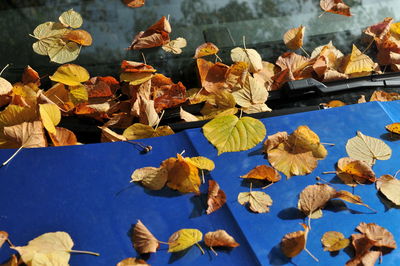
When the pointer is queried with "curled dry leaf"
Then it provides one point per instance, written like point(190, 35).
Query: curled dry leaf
point(313, 198)
point(230, 133)
point(363, 253)
point(379, 30)
point(70, 74)
point(27, 135)
point(250, 56)
point(367, 148)
point(219, 104)
point(183, 239)
point(334, 241)
point(81, 37)
point(107, 135)
point(156, 35)
point(263, 172)
point(293, 38)
point(336, 7)
point(258, 201)
point(353, 172)
point(357, 62)
point(293, 243)
point(303, 139)
point(389, 186)
point(349, 197)
point(29, 76)
point(216, 197)
point(211, 75)
point(134, 3)
point(3, 237)
point(201, 162)
point(175, 46)
point(151, 177)
point(143, 240)
point(382, 96)
point(205, 49)
point(220, 238)
point(63, 137)
point(141, 131)
point(166, 93)
point(132, 262)
point(187, 117)
point(273, 141)
point(380, 236)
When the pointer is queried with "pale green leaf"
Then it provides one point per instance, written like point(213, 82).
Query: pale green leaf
point(71, 19)
point(142, 131)
point(64, 53)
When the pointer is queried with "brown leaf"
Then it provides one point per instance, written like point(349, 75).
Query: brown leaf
point(166, 93)
point(151, 177)
point(293, 38)
point(143, 240)
point(30, 76)
point(27, 134)
point(352, 171)
point(382, 96)
point(380, 29)
point(379, 235)
point(274, 140)
point(334, 241)
point(314, 198)
point(134, 3)
point(98, 88)
point(216, 197)
point(212, 76)
point(156, 35)
point(132, 261)
point(13, 261)
point(205, 49)
point(263, 172)
point(294, 243)
point(63, 137)
point(349, 197)
point(220, 238)
point(3, 237)
point(59, 95)
point(363, 254)
point(336, 7)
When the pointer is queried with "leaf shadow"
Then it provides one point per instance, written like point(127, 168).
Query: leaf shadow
point(276, 257)
point(254, 182)
point(336, 180)
point(124, 189)
point(390, 137)
point(291, 213)
point(337, 205)
point(259, 151)
point(165, 192)
point(177, 255)
point(387, 203)
point(334, 253)
point(199, 205)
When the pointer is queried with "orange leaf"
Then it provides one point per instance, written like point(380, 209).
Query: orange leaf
point(30, 76)
point(212, 76)
point(336, 7)
point(81, 37)
point(380, 29)
point(167, 94)
point(143, 240)
point(134, 3)
point(293, 38)
point(216, 197)
point(131, 66)
point(352, 171)
point(394, 128)
point(220, 238)
point(3, 237)
point(63, 137)
point(263, 172)
point(156, 35)
point(205, 49)
point(382, 96)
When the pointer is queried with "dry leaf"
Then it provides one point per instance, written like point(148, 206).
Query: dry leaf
point(221, 103)
point(156, 35)
point(107, 135)
point(27, 135)
point(258, 201)
point(201, 162)
point(230, 133)
point(216, 197)
point(14, 115)
point(334, 241)
point(367, 149)
point(166, 93)
point(353, 172)
point(205, 49)
point(29, 76)
point(175, 46)
point(250, 56)
point(393, 128)
point(151, 177)
point(143, 240)
point(336, 7)
point(314, 197)
point(3, 237)
point(141, 131)
point(132, 262)
point(263, 172)
point(187, 117)
point(357, 62)
point(212, 76)
point(273, 141)
point(70, 74)
point(134, 3)
point(349, 197)
point(50, 116)
point(71, 19)
point(183, 239)
point(220, 238)
point(294, 243)
point(363, 253)
point(381, 96)
point(5, 87)
point(63, 137)
point(380, 29)
point(389, 186)
point(293, 38)
point(379, 235)
point(81, 37)
point(303, 139)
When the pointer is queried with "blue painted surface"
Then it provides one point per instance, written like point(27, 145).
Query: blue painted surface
point(85, 191)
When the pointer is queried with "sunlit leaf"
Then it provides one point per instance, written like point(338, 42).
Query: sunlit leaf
point(334, 241)
point(141, 131)
point(71, 19)
point(70, 74)
point(258, 201)
point(143, 240)
point(250, 56)
point(293, 38)
point(183, 239)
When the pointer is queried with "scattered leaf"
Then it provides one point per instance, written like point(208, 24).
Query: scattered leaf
point(3, 237)
point(303, 139)
point(201, 162)
point(335, 7)
point(143, 240)
point(206, 49)
point(216, 197)
point(50, 116)
point(141, 131)
point(258, 201)
point(353, 172)
point(212, 75)
point(294, 243)
point(5, 87)
point(27, 134)
point(367, 149)
point(71, 19)
point(393, 128)
point(274, 140)
point(293, 38)
point(389, 186)
point(14, 115)
point(263, 172)
point(175, 46)
point(132, 262)
point(314, 197)
point(230, 133)
point(151, 177)
point(29, 76)
point(334, 241)
point(358, 62)
point(63, 137)
point(220, 238)
point(183, 239)
point(250, 56)
point(156, 35)
point(81, 37)
point(134, 3)
point(70, 74)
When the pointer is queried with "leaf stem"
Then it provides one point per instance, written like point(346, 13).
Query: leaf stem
point(368, 207)
point(309, 221)
point(398, 171)
point(162, 242)
point(244, 43)
point(10, 243)
point(216, 254)
point(12, 156)
point(201, 249)
point(159, 119)
point(144, 58)
point(270, 184)
point(369, 46)
point(217, 58)
point(83, 252)
point(34, 37)
point(304, 51)
point(251, 186)
point(312, 256)
point(202, 176)
point(327, 143)
point(4, 68)
point(328, 172)
point(322, 14)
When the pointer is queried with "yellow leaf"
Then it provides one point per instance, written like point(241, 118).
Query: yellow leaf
point(71, 19)
point(263, 172)
point(303, 139)
point(230, 133)
point(62, 53)
point(368, 149)
point(205, 49)
point(151, 177)
point(334, 241)
point(358, 62)
point(250, 56)
point(48, 249)
point(353, 172)
point(184, 239)
point(258, 201)
point(251, 93)
point(389, 186)
point(219, 103)
point(50, 115)
point(201, 162)
point(395, 29)
point(293, 38)
point(14, 115)
point(142, 131)
point(175, 46)
point(394, 128)
point(135, 78)
point(70, 74)
point(78, 94)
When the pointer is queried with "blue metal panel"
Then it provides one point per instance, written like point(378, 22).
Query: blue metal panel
point(85, 191)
